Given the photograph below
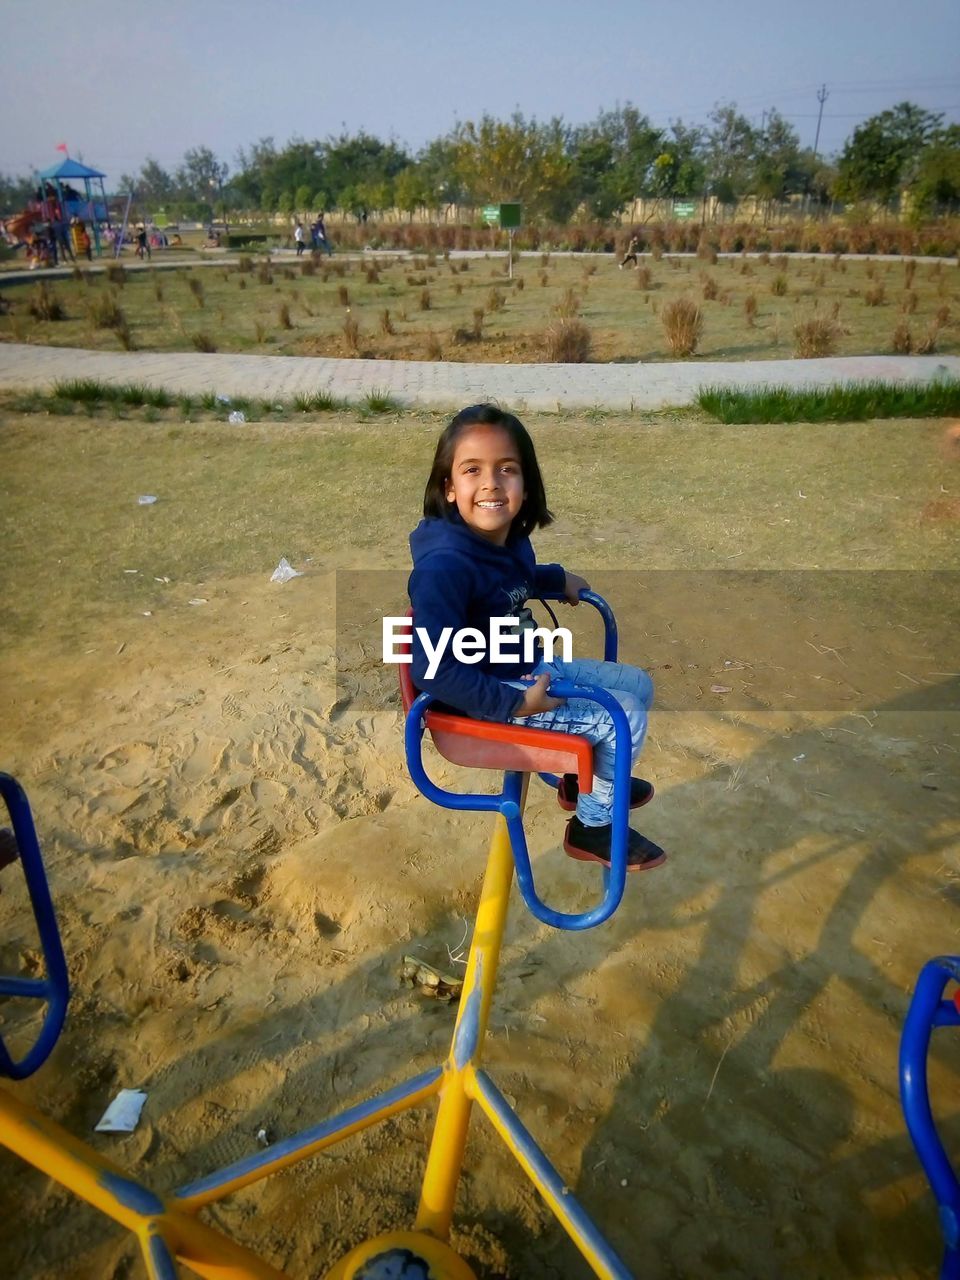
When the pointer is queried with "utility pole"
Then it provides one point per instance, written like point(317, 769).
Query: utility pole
point(822, 96)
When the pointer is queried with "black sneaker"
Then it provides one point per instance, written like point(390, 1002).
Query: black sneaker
point(592, 844)
point(641, 792)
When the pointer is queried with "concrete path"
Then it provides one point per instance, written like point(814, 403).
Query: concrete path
point(444, 385)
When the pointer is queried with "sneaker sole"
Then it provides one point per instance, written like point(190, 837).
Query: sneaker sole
point(570, 806)
point(581, 855)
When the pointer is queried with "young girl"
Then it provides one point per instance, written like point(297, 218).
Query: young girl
point(472, 561)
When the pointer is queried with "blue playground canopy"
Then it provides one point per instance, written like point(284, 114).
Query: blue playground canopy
point(69, 169)
point(90, 206)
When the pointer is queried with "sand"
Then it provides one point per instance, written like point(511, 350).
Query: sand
point(239, 862)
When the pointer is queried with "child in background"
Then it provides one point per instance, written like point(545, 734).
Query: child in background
point(472, 562)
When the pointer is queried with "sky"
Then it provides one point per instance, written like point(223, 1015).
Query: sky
point(120, 81)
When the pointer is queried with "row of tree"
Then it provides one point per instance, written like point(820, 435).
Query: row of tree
point(556, 169)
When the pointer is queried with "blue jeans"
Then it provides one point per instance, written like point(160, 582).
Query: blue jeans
point(632, 688)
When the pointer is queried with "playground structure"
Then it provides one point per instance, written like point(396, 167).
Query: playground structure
point(168, 1227)
point(58, 201)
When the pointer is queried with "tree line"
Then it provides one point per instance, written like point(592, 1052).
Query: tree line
point(557, 169)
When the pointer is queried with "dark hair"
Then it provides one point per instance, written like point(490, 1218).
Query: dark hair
point(533, 513)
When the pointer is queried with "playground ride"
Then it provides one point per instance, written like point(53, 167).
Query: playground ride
point(58, 201)
point(168, 1228)
point(929, 1009)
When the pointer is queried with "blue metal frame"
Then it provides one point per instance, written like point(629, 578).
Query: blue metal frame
point(508, 801)
point(927, 1010)
point(55, 987)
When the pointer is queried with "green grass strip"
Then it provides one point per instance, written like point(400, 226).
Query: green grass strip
point(854, 402)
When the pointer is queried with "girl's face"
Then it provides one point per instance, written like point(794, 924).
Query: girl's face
point(486, 481)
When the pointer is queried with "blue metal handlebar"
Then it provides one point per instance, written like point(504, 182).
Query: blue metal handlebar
point(55, 987)
point(927, 1010)
point(508, 802)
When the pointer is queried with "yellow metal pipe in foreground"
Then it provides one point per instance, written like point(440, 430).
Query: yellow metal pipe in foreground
point(92, 1177)
point(445, 1158)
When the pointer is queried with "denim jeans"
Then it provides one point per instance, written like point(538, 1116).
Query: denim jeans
point(632, 688)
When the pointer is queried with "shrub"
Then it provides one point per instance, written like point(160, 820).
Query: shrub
point(943, 315)
point(816, 336)
point(343, 295)
point(380, 401)
point(244, 263)
point(876, 296)
point(909, 271)
point(423, 302)
point(908, 303)
point(682, 326)
point(283, 316)
point(750, 308)
point(710, 289)
point(567, 341)
point(568, 306)
point(544, 279)
point(264, 274)
point(478, 318)
point(902, 341)
point(157, 289)
point(779, 285)
point(434, 348)
point(124, 336)
point(117, 273)
point(496, 300)
point(105, 312)
point(260, 331)
point(308, 267)
point(519, 284)
point(45, 305)
point(458, 288)
point(644, 277)
point(928, 344)
point(202, 341)
point(386, 324)
point(351, 335)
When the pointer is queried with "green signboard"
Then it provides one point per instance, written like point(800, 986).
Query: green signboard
point(491, 215)
point(511, 216)
point(684, 208)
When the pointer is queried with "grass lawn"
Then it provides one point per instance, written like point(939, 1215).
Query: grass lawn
point(465, 309)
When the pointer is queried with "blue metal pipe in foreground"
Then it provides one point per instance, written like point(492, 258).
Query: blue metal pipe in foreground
point(927, 1010)
point(570, 1213)
point(289, 1150)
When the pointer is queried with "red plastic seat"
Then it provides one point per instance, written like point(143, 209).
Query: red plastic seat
point(480, 744)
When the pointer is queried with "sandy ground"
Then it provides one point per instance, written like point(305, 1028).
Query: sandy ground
point(239, 862)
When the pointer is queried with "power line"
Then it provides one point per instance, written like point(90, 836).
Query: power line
point(822, 96)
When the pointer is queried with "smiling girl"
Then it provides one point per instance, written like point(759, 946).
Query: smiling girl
point(473, 561)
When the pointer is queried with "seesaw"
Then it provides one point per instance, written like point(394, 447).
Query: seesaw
point(168, 1227)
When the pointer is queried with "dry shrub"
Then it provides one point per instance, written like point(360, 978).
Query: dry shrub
point(544, 259)
point(458, 288)
point(478, 318)
point(781, 262)
point(264, 274)
point(745, 268)
point(386, 324)
point(424, 300)
point(117, 273)
point(568, 306)
point(820, 279)
point(764, 259)
point(520, 286)
point(124, 336)
point(908, 303)
point(463, 265)
point(45, 305)
point(928, 344)
point(750, 308)
point(434, 348)
point(706, 251)
point(779, 285)
point(815, 336)
point(656, 251)
point(244, 263)
point(871, 269)
point(876, 296)
point(835, 309)
point(835, 262)
point(567, 340)
point(902, 341)
point(496, 300)
point(372, 275)
point(158, 290)
point(351, 335)
point(682, 326)
point(283, 316)
point(909, 271)
point(644, 277)
point(203, 342)
point(710, 288)
point(544, 279)
point(105, 311)
point(943, 315)
point(343, 295)
point(308, 267)
point(241, 283)
point(196, 288)
point(260, 330)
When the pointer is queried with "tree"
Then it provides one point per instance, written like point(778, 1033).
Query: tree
point(201, 173)
point(412, 190)
point(15, 193)
point(881, 157)
point(512, 159)
point(680, 170)
point(937, 182)
point(731, 144)
point(780, 168)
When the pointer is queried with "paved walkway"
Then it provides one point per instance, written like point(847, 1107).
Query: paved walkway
point(444, 385)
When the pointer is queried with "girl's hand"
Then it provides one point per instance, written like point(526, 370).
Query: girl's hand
point(573, 586)
point(536, 698)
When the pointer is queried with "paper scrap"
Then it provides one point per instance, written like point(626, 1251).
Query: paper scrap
point(123, 1112)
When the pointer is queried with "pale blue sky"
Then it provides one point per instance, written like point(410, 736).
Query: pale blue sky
point(120, 81)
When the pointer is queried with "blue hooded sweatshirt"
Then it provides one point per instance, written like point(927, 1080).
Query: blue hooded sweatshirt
point(461, 579)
